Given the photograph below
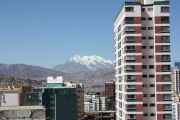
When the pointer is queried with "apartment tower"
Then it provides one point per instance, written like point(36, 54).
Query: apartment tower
point(176, 79)
point(142, 61)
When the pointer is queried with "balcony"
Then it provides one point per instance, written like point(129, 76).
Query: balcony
point(130, 80)
point(131, 117)
point(131, 99)
point(131, 109)
point(130, 30)
point(130, 90)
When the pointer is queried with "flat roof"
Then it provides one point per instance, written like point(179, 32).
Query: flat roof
point(22, 108)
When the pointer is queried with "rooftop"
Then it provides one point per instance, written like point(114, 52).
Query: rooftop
point(23, 108)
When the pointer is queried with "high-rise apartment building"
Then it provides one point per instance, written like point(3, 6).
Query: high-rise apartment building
point(176, 111)
point(176, 79)
point(142, 61)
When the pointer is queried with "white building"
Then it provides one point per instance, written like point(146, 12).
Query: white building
point(176, 111)
point(142, 60)
point(176, 80)
point(9, 98)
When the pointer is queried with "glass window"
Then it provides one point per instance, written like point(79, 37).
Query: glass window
point(166, 58)
point(167, 107)
point(166, 78)
point(129, 20)
point(166, 68)
point(129, 39)
point(166, 87)
point(167, 97)
point(129, 9)
point(165, 19)
point(165, 48)
point(165, 39)
point(164, 9)
point(150, 9)
point(165, 29)
point(130, 58)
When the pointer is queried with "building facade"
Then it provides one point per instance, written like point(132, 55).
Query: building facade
point(176, 80)
point(176, 111)
point(110, 95)
point(142, 61)
point(63, 101)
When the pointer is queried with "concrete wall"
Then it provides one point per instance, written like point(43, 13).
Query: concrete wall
point(22, 114)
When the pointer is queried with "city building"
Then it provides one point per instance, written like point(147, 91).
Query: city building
point(92, 101)
point(100, 115)
point(110, 95)
point(63, 101)
point(176, 79)
point(13, 95)
point(176, 111)
point(142, 61)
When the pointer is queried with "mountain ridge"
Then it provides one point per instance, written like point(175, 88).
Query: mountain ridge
point(79, 63)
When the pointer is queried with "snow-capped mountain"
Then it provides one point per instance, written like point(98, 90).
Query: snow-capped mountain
point(85, 63)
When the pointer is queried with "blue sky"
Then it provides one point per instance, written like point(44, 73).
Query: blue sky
point(48, 32)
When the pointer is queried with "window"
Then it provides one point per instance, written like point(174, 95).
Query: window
point(165, 48)
point(145, 105)
point(130, 29)
point(152, 85)
point(152, 114)
point(151, 66)
point(130, 39)
point(151, 56)
point(164, 9)
point(145, 114)
point(151, 47)
point(130, 49)
point(167, 97)
point(167, 107)
point(149, 18)
point(143, 37)
point(150, 37)
point(144, 66)
point(143, 9)
point(130, 68)
point(130, 77)
point(165, 19)
point(150, 28)
point(151, 76)
point(143, 18)
point(165, 39)
point(144, 76)
point(143, 57)
point(166, 58)
point(143, 47)
point(167, 116)
point(165, 29)
point(166, 78)
point(166, 68)
point(150, 9)
point(152, 104)
point(145, 95)
point(166, 87)
point(143, 28)
point(152, 95)
point(129, 20)
point(129, 9)
point(130, 58)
